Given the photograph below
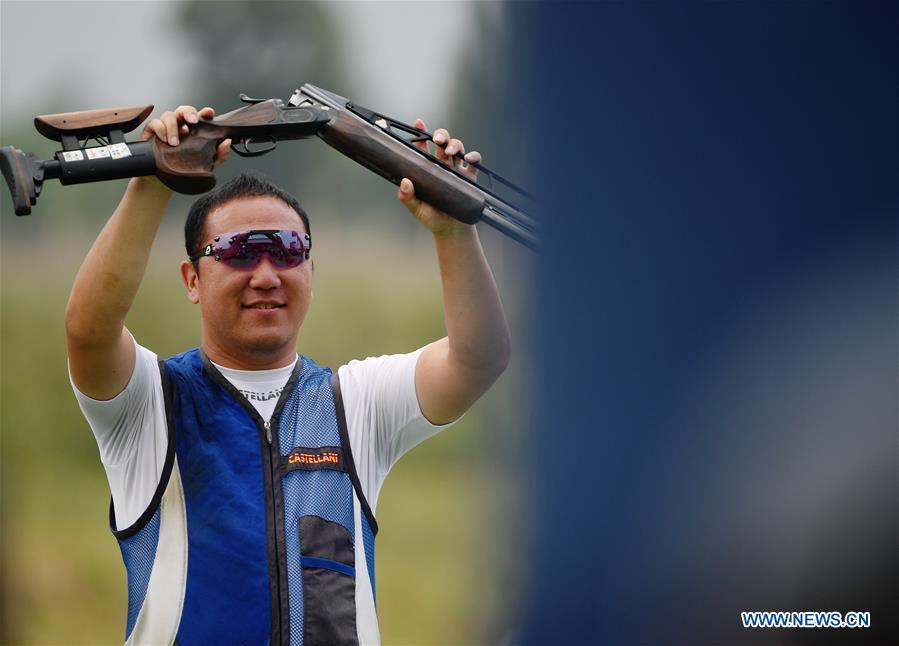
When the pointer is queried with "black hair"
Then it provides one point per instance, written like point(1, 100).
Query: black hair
point(247, 184)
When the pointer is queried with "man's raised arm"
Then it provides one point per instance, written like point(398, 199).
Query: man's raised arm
point(455, 371)
point(101, 353)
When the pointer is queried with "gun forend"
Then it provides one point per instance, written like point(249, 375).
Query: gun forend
point(391, 159)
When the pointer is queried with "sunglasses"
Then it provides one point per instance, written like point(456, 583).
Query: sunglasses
point(244, 249)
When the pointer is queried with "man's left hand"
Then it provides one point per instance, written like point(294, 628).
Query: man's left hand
point(452, 153)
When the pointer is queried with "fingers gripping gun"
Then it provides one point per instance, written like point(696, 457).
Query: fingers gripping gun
point(381, 144)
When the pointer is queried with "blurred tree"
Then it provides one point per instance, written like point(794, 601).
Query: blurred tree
point(494, 105)
point(260, 47)
point(266, 49)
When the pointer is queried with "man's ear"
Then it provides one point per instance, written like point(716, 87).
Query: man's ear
point(191, 281)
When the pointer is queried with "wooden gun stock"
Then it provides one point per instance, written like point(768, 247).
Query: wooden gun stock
point(187, 167)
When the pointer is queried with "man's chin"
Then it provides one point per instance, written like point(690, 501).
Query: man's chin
point(261, 344)
point(268, 345)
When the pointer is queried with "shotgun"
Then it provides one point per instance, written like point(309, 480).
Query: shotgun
point(382, 144)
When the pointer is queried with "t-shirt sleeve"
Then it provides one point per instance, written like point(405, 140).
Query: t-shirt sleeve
point(132, 436)
point(384, 419)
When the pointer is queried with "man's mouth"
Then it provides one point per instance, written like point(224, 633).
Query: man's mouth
point(263, 306)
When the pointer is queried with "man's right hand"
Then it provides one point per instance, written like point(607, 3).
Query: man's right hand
point(172, 126)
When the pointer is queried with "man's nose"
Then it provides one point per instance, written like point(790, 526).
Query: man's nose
point(265, 274)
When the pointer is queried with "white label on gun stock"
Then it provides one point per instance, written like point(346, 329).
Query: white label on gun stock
point(119, 151)
point(72, 155)
point(97, 153)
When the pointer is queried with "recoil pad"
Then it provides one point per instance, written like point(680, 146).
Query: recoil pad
point(18, 171)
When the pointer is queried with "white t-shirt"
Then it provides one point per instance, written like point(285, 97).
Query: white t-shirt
point(383, 417)
point(262, 388)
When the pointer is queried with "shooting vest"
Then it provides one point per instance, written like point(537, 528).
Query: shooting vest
point(250, 537)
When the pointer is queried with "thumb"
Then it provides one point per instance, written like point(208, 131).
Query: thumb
point(406, 195)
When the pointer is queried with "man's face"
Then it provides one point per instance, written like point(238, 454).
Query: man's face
point(251, 317)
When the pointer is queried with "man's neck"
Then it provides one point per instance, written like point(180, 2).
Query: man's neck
point(250, 361)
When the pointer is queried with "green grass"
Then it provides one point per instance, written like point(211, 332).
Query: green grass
point(63, 580)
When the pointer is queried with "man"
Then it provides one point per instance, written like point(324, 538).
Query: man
point(244, 478)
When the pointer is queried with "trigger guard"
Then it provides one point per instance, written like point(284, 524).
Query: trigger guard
point(245, 151)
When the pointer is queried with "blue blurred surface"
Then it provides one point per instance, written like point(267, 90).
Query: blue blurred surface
point(718, 381)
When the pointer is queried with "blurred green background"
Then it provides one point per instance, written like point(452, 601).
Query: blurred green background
point(453, 513)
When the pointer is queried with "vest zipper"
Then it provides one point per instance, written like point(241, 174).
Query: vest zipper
point(273, 475)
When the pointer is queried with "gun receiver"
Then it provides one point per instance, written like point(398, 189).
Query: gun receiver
point(379, 143)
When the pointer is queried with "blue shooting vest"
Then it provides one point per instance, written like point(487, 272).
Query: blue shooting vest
point(250, 538)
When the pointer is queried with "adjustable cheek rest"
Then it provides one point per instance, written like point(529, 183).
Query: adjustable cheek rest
point(89, 124)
